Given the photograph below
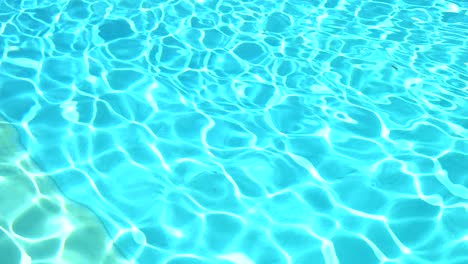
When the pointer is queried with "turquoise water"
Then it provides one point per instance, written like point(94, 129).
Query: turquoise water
point(249, 131)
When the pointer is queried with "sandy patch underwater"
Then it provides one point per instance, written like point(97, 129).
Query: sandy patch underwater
point(37, 223)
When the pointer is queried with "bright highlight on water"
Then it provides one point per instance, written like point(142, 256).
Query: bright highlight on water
point(234, 132)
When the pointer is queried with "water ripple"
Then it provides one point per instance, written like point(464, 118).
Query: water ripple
point(232, 132)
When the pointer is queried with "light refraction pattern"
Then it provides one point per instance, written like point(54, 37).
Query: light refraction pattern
point(203, 131)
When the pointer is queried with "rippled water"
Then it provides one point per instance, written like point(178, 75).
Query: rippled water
point(235, 131)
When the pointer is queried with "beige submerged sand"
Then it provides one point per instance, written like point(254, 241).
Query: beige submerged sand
point(37, 223)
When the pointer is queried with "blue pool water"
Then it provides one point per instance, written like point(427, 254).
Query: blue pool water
point(201, 131)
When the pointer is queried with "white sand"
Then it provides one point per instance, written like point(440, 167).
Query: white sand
point(37, 223)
